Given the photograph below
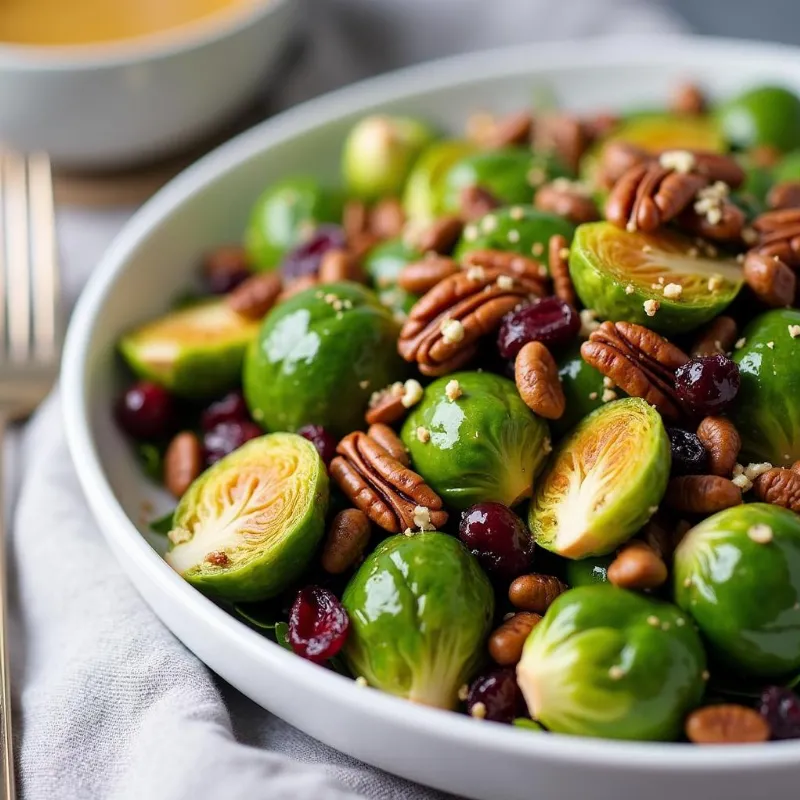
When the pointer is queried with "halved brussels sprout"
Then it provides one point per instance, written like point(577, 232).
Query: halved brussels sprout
point(738, 575)
point(249, 525)
point(657, 131)
point(657, 280)
point(588, 571)
point(764, 115)
point(485, 444)
point(614, 664)
point(383, 264)
point(194, 352)
point(604, 481)
point(318, 358)
point(286, 215)
point(420, 609)
point(766, 411)
point(379, 152)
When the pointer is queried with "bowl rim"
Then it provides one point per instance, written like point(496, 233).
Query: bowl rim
point(159, 44)
point(626, 51)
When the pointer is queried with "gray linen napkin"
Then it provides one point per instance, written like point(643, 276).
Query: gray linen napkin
point(108, 705)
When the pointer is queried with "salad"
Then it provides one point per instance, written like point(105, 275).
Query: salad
point(507, 423)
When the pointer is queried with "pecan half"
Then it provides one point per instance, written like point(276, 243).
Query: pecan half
point(785, 194)
point(718, 337)
point(722, 443)
point(779, 235)
point(296, 286)
point(340, 265)
point(346, 541)
point(505, 643)
point(440, 236)
point(637, 566)
point(726, 723)
point(394, 497)
point(702, 494)
point(616, 158)
point(529, 271)
point(355, 219)
point(389, 441)
point(778, 486)
point(567, 199)
point(538, 383)
point(770, 279)
point(476, 202)
point(183, 462)
point(661, 536)
point(391, 403)
point(726, 225)
point(513, 129)
point(254, 297)
point(687, 98)
point(557, 252)
point(639, 361)
point(535, 592)
point(564, 134)
point(386, 218)
point(421, 276)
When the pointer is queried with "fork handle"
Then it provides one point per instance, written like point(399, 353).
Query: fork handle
point(9, 790)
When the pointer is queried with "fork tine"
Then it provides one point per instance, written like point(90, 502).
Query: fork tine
point(44, 274)
point(17, 252)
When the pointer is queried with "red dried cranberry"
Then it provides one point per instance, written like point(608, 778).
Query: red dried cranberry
point(780, 707)
point(500, 695)
point(707, 385)
point(689, 457)
point(321, 439)
point(146, 411)
point(230, 408)
point(498, 538)
point(225, 268)
point(226, 437)
point(306, 258)
point(318, 624)
point(550, 321)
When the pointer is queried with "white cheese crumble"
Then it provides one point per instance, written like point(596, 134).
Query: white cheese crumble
point(422, 518)
point(680, 160)
point(505, 282)
point(672, 291)
point(589, 322)
point(423, 435)
point(794, 331)
point(476, 273)
point(760, 534)
point(452, 331)
point(608, 395)
point(740, 343)
point(709, 201)
point(453, 390)
point(513, 236)
point(412, 393)
point(630, 289)
point(651, 307)
point(753, 470)
point(715, 283)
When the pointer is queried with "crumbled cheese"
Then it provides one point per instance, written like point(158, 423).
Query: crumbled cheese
point(489, 223)
point(476, 273)
point(470, 233)
point(505, 282)
point(653, 620)
point(672, 291)
point(680, 160)
point(749, 235)
point(742, 482)
point(630, 289)
point(715, 283)
point(478, 711)
point(631, 226)
point(709, 201)
point(616, 673)
point(589, 322)
point(608, 395)
point(536, 176)
point(794, 331)
point(452, 331)
point(363, 384)
point(412, 393)
point(607, 382)
point(361, 681)
point(517, 213)
point(563, 253)
point(423, 435)
point(463, 692)
point(753, 470)
point(453, 390)
point(408, 532)
point(651, 307)
point(574, 187)
point(513, 236)
point(771, 345)
point(740, 258)
point(740, 343)
point(680, 622)
point(547, 446)
point(647, 248)
point(422, 518)
point(760, 533)
point(537, 248)
point(593, 395)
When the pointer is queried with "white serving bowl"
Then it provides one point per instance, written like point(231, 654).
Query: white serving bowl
point(156, 256)
point(111, 105)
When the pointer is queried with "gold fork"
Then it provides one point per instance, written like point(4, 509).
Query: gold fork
point(30, 343)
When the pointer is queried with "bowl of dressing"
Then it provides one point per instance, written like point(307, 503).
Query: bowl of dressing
point(103, 85)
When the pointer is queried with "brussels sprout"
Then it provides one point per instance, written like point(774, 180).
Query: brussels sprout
point(604, 481)
point(420, 609)
point(194, 352)
point(379, 152)
point(738, 574)
point(319, 356)
point(422, 197)
point(657, 131)
point(383, 264)
point(765, 115)
point(588, 571)
point(285, 215)
point(616, 272)
point(249, 525)
point(751, 196)
point(504, 173)
point(484, 445)
point(788, 168)
point(766, 410)
point(519, 229)
point(614, 664)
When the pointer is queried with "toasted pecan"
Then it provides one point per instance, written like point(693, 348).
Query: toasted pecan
point(440, 236)
point(722, 443)
point(770, 279)
point(506, 642)
point(254, 297)
point(535, 592)
point(564, 134)
point(778, 235)
point(389, 441)
point(687, 98)
point(419, 277)
point(726, 723)
point(616, 158)
point(476, 202)
point(340, 265)
point(538, 382)
point(567, 199)
point(702, 494)
point(557, 252)
point(785, 194)
point(513, 129)
point(346, 540)
point(717, 337)
point(779, 486)
point(386, 218)
point(183, 462)
point(637, 566)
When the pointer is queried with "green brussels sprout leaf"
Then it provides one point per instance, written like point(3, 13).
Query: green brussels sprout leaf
point(163, 524)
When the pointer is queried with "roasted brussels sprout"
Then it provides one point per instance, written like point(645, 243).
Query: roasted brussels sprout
point(379, 152)
point(420, 609)
point(788, 168)
point(484, 444)
point(738, 575)
point(319, 356)
point(764, 115)
point(286, 215)
point(657, 131)
point(383, 264)
point(194, 352)
point(612, 663)
point(604, 481)
point(249, 525)
point(767, 410)
point(588, 571)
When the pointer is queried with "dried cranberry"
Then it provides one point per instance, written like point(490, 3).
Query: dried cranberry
point(498, 538)
point(499, 694)
point(321, 439)
point(318, 624)
point(550, 321)
point(230, 408)
point(146, 411)
point(225, 268)
point(226, 437)
point(707, 385)
point(306, 258)
point(780, 707)
point(689, 457)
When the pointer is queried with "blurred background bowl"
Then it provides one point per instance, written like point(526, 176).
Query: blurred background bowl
point(117, 104)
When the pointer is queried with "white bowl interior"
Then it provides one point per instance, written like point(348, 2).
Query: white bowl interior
point(156, 257)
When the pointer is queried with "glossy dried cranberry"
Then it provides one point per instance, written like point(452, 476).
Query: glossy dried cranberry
point(146, 411)
point(499, 694)
point(550, 321)
point(321, 439)
point(318, 624)
point(707, 385)
point(780, 707)
point(306, 258)
point(230, 408)
point(498, 538)
point(689, 457)
point(226, 437)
